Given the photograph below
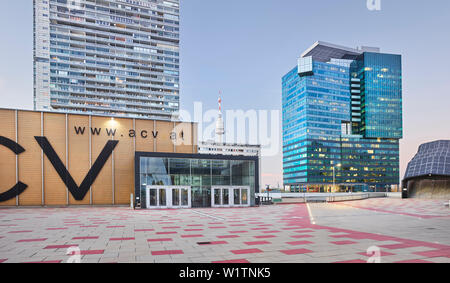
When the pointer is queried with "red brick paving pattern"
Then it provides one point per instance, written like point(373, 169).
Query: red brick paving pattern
point(296, 251)
point(257, 243)
point(292, 222)
point(340, 243)
point(173, 252)
point(425, 209)
point(247, 251)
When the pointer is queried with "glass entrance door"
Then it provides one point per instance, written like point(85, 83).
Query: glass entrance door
point(230, 196)
point(220, 197)
point(168, 197)
point(241, 196)
point(181, 197)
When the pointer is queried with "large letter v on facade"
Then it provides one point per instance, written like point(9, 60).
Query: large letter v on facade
point(77, 192)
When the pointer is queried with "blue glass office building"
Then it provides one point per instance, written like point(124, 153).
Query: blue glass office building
point(342, 120)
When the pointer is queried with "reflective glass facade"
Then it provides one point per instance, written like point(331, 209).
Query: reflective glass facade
point(116, 57)
point(380, 77)
point(199, 172)
point(340, 117)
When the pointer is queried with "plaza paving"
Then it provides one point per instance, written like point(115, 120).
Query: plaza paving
point(403, 230)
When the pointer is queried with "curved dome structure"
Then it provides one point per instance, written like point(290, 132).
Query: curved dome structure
point(432, 159)
point(428, 173)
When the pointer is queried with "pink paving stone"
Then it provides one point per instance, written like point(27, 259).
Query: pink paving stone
point(160, 240)
point(144, 230)
point(337, 230)
point(399, 246)
point(435, 253)
point(55, 229)
point(233, 261)
point(424, 244)
point(265, 237)
point(17, 232)
point(89, 226)
point(362, 235)
point(301, 236)
point(259, 229)
point(257, 243)
point(228, 236)
point(296, 252)
point(300, 231)
point(165, 233)
point(191, 236)
point(380, 238)
point(238, 232)
point(352, 261)
point(193, 230)
point(296, 243)
point(217, 227)
point(122, 239)
point(60, 247)
point(414, 261)
point(247, 251)
point(85, 238)
point(341, 243)
point(3, 260)
point(115, 226)
point(92, 252)
point(173, 252)
point(31, 240)
point(340, 236)
point(174, 227)
point(304, 231)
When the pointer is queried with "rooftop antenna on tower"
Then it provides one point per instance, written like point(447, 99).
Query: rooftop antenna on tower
point(220, 129)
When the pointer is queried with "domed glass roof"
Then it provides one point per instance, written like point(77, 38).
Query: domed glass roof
point(432, 159)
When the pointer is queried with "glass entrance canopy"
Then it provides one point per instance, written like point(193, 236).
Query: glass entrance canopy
point(199, 172)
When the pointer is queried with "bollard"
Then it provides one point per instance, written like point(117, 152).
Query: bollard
point(131, 201)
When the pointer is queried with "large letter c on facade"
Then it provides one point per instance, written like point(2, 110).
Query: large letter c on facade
point(19, 187)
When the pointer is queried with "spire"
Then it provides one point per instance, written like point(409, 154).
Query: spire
point(220, 129)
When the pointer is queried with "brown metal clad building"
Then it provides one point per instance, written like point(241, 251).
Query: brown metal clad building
point(47, 158)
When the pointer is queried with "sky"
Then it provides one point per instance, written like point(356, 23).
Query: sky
point(244, 47)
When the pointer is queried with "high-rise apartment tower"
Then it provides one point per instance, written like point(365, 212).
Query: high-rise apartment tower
point(108, 57)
